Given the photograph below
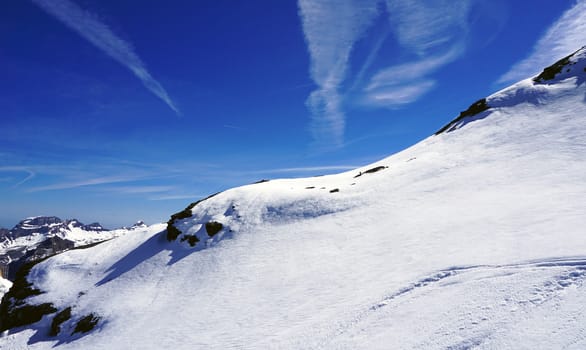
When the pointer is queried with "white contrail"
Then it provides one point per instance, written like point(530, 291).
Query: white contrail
point(30, 174)
point(89, 27)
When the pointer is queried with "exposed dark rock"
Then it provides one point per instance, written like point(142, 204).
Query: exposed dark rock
point(550, 72)
point(335, 190)
point(213, 227)
point(370, 171)
point(172, 231)
point(191, 239)
point(18, 257)
point(59, 318)
point(94, 226)
point(40, 224)
point(139, 223)
point(73, 223)
point(51, 246)
point(4, 234)
point(261, 181)
point(14, 312)
point(86, 324)
point(474, 109)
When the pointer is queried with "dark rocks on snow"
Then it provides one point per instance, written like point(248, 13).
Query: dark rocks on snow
point(474, 109)
point(370, 171)
point(86, 324)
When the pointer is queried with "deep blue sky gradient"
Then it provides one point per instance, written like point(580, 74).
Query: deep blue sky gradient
point(80, 136)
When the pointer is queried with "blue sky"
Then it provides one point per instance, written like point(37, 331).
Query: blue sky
point(116, 111)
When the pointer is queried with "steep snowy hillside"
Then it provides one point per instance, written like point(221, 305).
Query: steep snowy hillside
point(473, 238)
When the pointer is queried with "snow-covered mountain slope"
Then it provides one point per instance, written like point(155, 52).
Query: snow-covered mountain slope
point(472, 238)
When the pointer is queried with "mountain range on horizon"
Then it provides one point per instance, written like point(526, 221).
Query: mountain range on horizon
point(36, 238)
point(472, 238)
point(51, 224)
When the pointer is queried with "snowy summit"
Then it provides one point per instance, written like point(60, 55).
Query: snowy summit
point(472, 238)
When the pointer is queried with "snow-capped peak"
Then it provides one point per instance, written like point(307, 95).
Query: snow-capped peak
point(37, 237)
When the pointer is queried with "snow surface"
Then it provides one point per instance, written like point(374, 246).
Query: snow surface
point(470, 239)
point(4, 286)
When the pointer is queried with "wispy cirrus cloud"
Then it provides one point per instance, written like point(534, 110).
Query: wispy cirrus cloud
point(404, 83)
point(433, 34)
point(104, 175)
point(564, 36)
point(331, 27)
point(411, 70)
point(30, 174)
point(95, 181)
point(100, 35)
point(426, 27)
point(430, 34)
point(138, 189)
point(396, 94)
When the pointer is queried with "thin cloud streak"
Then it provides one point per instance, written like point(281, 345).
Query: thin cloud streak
point(434, 32)
point(412, 70)
point(402, 84)
point(85, 183)
point(430, 33)
point(369, 59)
point(331, 27)
point(423, 27)
point(31, 174)
point(89, 27)
point(138, 189)
point(394, 96)
point(565, 36)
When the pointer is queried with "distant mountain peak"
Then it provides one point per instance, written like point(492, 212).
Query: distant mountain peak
point(139, 223)
point(39, 221)
point(37, 237)
point(49, 225)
